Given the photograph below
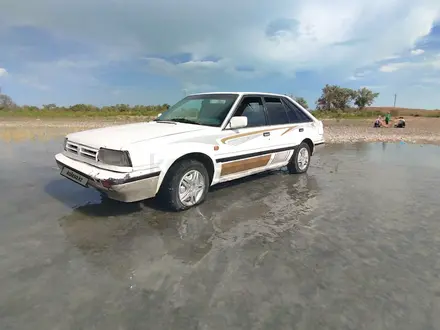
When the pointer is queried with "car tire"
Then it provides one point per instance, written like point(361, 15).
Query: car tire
point(177, 178)
point(300, 160)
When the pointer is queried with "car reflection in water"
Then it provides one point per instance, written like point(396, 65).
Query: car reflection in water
point(145, 246)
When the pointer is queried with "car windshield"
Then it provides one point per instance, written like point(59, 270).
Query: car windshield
point(205, 109)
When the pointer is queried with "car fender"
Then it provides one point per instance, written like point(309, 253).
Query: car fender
point(176, 151)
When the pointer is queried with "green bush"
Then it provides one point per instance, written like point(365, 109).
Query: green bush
point(334, 102)
point(10, 109)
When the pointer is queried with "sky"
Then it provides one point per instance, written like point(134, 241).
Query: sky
point(105, 52)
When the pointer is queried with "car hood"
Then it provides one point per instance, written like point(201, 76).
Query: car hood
point(120, 136)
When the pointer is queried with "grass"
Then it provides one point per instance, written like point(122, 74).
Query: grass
point(75, 114)
point(407, 112)
point(344, 115)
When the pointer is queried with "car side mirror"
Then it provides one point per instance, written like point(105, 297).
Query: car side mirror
point(238, 122)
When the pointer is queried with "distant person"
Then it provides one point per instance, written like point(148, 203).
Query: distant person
point(378, 121)
point(400, 123)
point(387, 118)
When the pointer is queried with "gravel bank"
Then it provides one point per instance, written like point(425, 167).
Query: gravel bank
point(419, 130)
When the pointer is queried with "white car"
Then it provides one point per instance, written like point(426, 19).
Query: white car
point(202, 140)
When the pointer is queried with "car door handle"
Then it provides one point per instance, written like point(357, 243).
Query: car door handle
point(301, 129)
point(266, 133)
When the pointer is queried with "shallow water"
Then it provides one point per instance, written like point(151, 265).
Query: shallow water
point(353, 244)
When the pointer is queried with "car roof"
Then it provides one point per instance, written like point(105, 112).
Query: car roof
point(239, 93)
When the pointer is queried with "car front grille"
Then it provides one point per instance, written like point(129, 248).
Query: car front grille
point(83, 151)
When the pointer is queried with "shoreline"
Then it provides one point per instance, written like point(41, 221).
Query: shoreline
point(418, 130)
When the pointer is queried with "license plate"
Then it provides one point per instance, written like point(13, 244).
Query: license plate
point(74, 176)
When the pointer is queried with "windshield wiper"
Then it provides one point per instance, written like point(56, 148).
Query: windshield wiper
point(157, 120)
point(185, 121)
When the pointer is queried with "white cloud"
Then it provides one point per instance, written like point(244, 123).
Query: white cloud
point(360, 75)
point(393, 67)
point(417, 52)
point(284, 36)
point(391, 57)
point(76, 64)
point(3, 72)
point(190, 67)
point(431, 63)
point(195, 88)
point(198, 75)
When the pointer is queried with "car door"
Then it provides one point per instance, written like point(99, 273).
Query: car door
point(305, 124)
point(244, 151)
point(287, 131)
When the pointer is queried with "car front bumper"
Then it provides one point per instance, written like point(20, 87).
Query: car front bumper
point(124, 187)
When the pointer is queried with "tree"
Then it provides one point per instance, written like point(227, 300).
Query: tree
point(50, 106)
point(335, 97)
point(299, 99)
point(302, 101)
point(6, 102)
point(364, 98)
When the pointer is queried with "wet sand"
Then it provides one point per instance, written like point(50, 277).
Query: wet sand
point(418, 130)
point(352, 244)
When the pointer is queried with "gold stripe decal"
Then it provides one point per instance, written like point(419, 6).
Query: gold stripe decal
point(288, 128)
point(244, 165)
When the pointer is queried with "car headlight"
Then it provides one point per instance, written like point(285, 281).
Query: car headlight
point(65, 144)
point(114, 157)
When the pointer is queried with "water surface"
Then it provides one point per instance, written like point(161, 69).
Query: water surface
point(353, 244)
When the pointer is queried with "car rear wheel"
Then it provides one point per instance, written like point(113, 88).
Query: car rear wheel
point(185, 185)
point(300, 161)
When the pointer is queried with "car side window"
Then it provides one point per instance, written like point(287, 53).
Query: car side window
point(252, 108)
point(276, 111)
point(295, 114)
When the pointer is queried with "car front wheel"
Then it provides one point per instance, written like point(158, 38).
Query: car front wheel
point(300, 161)
point(185, 185)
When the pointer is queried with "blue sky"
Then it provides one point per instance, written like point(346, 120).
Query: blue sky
point(114, 51)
